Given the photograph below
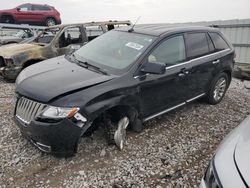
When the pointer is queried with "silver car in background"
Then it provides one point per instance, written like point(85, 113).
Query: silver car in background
point(230, 166)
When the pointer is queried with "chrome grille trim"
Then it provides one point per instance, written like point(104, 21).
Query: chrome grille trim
point(27, 110)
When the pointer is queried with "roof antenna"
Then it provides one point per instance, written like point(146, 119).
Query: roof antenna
point(132, 28)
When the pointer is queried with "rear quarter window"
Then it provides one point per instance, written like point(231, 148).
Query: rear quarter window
point(197, 45)
point(219, 42)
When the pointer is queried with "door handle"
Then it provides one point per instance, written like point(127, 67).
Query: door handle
point(183, 73)
point(216, 61)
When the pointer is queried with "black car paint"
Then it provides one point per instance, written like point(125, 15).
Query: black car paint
point(61, 83)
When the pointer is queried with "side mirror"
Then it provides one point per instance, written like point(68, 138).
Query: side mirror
point(18, 9)
point(154, 68)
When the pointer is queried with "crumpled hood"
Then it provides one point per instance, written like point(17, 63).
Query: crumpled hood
point(242, 150)
point(52, 78)
point(12, 50)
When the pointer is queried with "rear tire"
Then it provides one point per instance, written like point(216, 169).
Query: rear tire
point(218, 88)
point(50, 22)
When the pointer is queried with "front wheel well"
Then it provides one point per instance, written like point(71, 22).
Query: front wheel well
point(113, 113)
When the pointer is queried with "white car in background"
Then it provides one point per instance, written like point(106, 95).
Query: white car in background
point(230, 166)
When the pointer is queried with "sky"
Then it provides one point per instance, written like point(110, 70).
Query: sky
point(150, 11)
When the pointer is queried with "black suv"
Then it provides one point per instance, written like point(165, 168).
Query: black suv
point(119, 80)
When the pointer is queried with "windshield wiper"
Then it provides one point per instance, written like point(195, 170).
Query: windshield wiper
point(86, 65)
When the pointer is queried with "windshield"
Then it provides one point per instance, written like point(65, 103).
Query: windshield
point(47, 36)
point(115, 49)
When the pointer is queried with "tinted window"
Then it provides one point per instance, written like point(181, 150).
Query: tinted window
point(219, 42)
point(40, 8)
point(196, 44)
point(170, 52)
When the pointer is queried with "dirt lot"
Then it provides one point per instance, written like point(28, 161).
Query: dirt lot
point(172, 151)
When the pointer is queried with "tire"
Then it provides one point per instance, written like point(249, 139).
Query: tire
point(50, 22)
point(137, 125)
point(217, 89)
point(7, 19)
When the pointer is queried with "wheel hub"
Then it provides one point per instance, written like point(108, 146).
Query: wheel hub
point(120, 133)
point(220, 89)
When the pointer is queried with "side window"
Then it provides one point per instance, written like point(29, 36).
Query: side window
point(197, 44)
point(170, 52)
point(45, 8)
point(36, 8)
point(40, 8)
point(219, 42)
point(70, 36)
point(25, 8)
point(93, 31)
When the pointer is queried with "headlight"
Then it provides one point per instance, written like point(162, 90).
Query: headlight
point(58, 112)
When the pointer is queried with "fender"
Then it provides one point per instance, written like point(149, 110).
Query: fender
point(96, 109)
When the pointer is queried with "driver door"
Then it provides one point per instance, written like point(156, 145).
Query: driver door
point(162, 92)
point(70, 40)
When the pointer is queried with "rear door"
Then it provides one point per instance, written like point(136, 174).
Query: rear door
point(200, 50)
point(39, 12)
point(205, 59)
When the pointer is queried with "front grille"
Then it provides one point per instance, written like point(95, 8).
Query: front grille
point(27, 110)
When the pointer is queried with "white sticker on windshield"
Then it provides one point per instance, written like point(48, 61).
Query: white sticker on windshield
point(134, 45)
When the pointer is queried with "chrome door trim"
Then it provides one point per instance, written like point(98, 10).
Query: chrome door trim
point(187, 62)
point(174, 107)
point(163, 112)
point(199, 96)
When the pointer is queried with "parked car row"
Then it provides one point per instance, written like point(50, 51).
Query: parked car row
point(120, 80)
point(52, 42)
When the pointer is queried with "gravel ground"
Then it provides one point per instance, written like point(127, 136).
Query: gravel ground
point(172, 151)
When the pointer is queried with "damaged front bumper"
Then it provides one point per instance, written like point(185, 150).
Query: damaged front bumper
point(59, 138)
